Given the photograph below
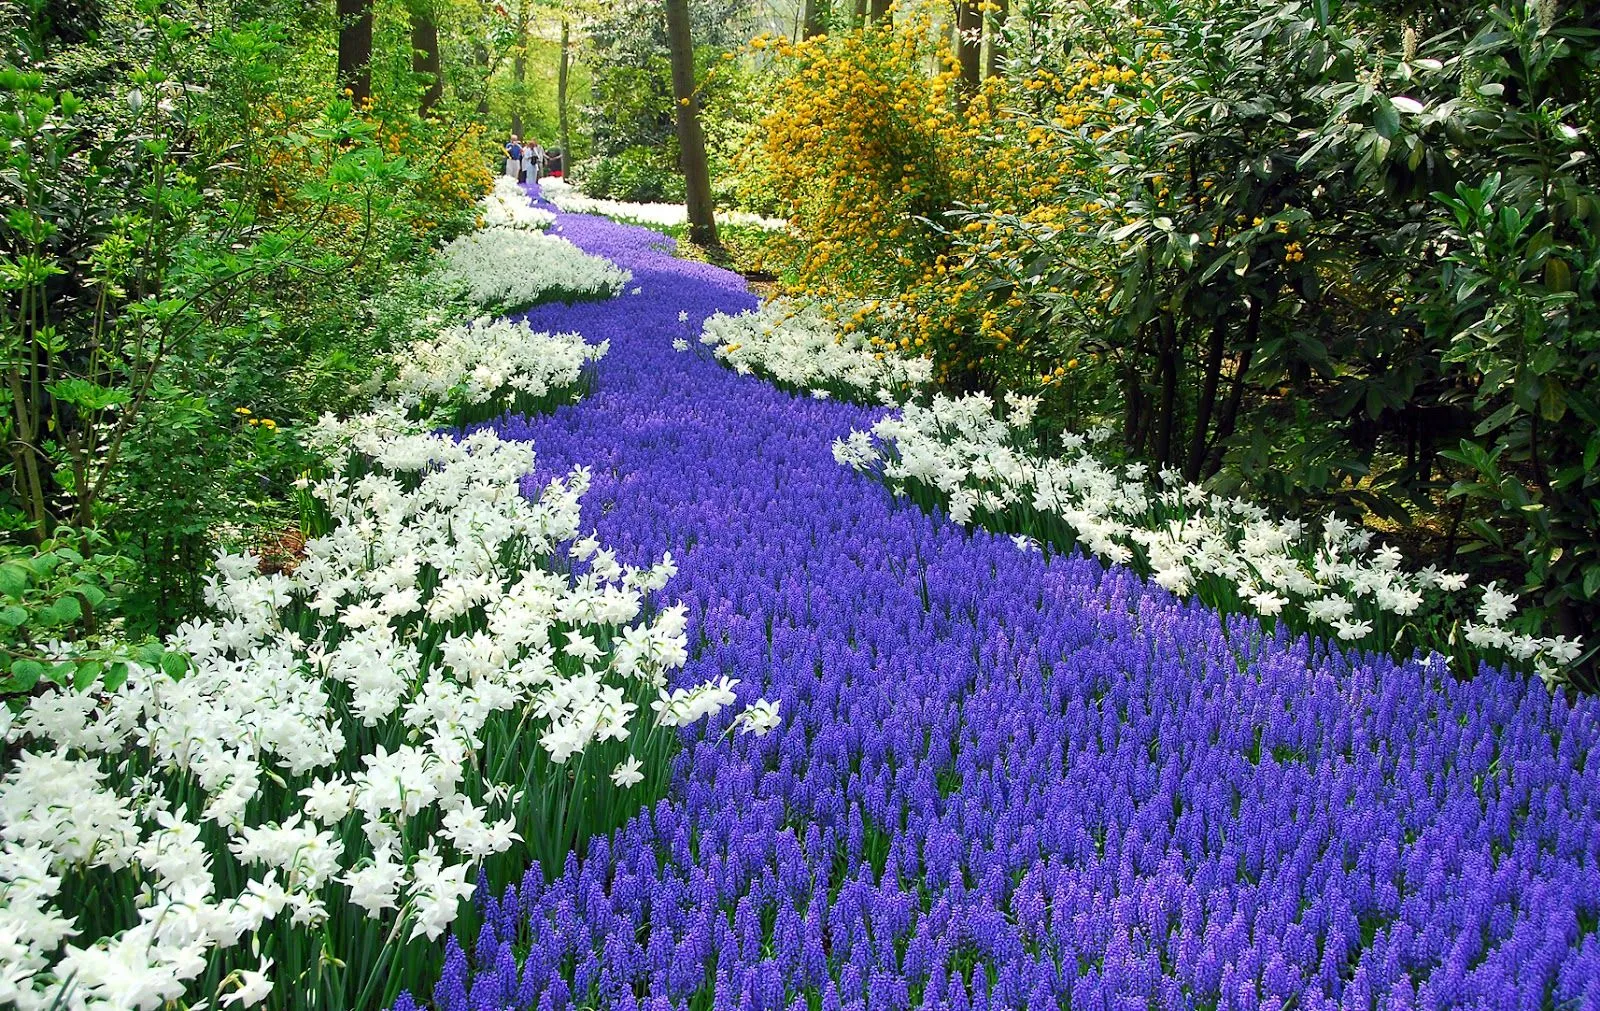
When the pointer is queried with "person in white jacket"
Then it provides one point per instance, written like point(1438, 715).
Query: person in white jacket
point(536, 155)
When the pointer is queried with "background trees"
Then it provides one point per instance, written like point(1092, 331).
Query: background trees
point(1333, 256)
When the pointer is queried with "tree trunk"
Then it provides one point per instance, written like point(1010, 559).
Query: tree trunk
point(355, 48)
point(425, 56)
point(1230, 410)
point(519, 68)
point(879, 10)
point(563, 71)
point(997, 47)
point(1167, 409)
point(860, 14)
point(969, 32)
point(811, 19)
point(1207, 403)
point(480, 56)
point(691, 141)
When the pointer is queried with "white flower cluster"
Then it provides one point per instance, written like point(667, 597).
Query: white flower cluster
point(482, 361)
point(1187, 538)
point(567, 198)
point(331, 730)
point(507, 269)
point(506, 206)
point(796, 345)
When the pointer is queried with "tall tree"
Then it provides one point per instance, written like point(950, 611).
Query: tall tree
point(519, 68)
point(879, 10)
point(969, 40)
point(425, 53)
point(811, 19)
point(691, 140)
point(563, 71)
point(355, 48)
point(995, 37)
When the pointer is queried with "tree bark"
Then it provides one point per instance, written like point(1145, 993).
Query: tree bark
point(1230, 410)
point(691, 141)
point(480, 56)
point(1207, 403)
point(425, 56)
point(519, 68)
point(355, 48)
point(859, 17)
point(810, 19)
point(879, 10)
point(997, 48)
point(1167, 409)
point(968, 32)
point(563, 71)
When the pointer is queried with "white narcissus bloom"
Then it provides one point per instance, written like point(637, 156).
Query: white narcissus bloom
point(1496, 606)
point(793, 344)
point(508, 207)
point(758, 718)
point(376, 886)
point(294, 666)
point(503, 269)
point(568, 199)
point(980, 462)
point(253, 986)
point(628, 773)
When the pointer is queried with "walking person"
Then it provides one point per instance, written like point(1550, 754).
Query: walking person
point(514, 158)
point(530, 162)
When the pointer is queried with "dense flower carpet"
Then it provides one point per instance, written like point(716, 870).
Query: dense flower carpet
point(1007, 780)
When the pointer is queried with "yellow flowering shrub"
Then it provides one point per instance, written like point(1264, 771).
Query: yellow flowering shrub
point(923, 201)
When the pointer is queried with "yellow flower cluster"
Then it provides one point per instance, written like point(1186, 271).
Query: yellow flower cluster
point(868, 150)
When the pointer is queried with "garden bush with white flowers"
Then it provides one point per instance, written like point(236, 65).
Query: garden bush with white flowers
point(796, 346)
point(449, 676)
point(506, 206)
point(504, 270)
point(985, 466)
point(569, 199)
point(475, 371)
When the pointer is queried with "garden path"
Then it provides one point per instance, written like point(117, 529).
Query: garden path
point(1105, 795)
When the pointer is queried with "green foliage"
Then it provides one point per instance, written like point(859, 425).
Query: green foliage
point(635, 174)
point(60, 599)
point(1333, 256)
point(212, 232)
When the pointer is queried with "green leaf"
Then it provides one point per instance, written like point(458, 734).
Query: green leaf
point(1386, 120)
point(175, 665)
point(86, 395)
point(1495, 420)
point(14, 578)
point(1552, 401)
point(85, 675)
point(1591, 581)
point(13, 616)
point(65, 610)
point(26, 673)
point(116, 675)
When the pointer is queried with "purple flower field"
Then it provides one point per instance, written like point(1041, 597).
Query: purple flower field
point(1003, 780)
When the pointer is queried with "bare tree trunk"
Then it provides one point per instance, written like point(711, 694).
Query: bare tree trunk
point(563, 71)
point(997, 46)
point(480, 56)
point(691, 141)
point(859, 17)
point(811, 20)
point(519, 68)
point(880, 10)
point(969, 29)
point(1207, 403)
point(425, 56)
point(355, 48)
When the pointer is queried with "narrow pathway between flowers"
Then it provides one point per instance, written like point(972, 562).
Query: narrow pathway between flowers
point(986, 758)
